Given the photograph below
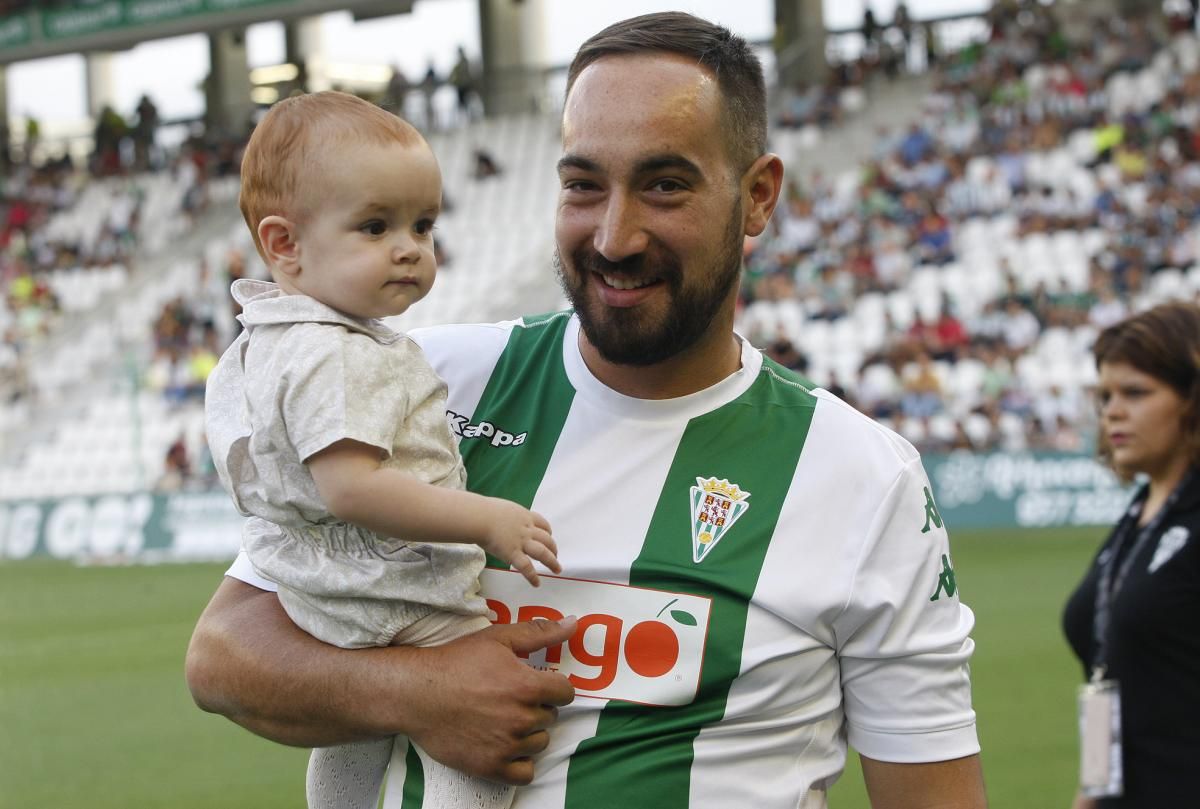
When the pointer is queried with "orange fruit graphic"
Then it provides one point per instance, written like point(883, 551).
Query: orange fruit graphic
point(651, 648)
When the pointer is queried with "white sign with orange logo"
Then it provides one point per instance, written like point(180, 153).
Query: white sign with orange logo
point(633, 644)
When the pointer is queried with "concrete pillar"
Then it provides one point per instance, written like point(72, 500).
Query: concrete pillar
point(227, 88)
point(101, 86)
point(513, 37)
point(304, 47)
point(800, 42)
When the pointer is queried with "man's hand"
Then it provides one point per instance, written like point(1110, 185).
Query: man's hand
point(498, 712)
point(472, 704)
point(518, 536)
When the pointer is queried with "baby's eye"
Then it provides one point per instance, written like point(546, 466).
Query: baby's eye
point(376, 227)
point(424, 227)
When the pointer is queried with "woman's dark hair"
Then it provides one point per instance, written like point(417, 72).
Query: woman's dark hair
point(1163, 342)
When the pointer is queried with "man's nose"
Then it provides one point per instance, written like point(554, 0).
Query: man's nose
point(621, 232)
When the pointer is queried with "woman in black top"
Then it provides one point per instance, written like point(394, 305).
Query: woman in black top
point(1135, 618)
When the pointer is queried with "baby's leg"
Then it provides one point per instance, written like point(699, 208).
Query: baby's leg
point(446, 788)
point(347, 776)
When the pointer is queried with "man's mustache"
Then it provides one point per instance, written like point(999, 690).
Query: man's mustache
point(637, 266)
point(592, 261)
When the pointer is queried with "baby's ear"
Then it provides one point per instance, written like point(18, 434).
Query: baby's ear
point(278, 238)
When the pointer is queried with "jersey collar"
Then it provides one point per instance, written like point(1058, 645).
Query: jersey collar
point(689, 406)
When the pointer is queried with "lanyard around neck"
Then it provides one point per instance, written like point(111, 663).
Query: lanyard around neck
point(1112, 577)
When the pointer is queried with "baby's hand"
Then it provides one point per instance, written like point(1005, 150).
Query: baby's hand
point(518, 536)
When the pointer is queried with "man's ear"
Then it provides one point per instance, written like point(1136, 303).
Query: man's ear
point(280, 248)
point(762, 184)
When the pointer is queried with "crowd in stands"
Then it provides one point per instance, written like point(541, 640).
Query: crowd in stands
point(910, 289)
point(1024, 141)
point(882, 50)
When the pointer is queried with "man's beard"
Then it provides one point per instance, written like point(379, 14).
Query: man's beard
point(627, 337)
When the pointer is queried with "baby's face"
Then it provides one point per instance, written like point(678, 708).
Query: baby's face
point(366, 242)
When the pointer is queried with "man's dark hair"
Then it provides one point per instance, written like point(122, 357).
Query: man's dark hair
point(729, 57)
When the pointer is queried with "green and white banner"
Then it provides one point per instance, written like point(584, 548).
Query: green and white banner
point(15, 31)
point(1024, 490)
point(988, 490)
point(73, 22)
point(76, 21)
point(123, 527)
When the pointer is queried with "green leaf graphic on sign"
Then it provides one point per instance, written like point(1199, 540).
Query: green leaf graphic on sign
point(684, 618)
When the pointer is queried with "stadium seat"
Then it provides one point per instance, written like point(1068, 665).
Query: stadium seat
point(978, 429)
point(1168, 283)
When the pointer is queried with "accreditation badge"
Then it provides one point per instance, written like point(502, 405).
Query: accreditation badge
point(1100, 773)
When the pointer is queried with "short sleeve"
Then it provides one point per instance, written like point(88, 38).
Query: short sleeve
point(341, 385)
point(904, 638)
point(243, 570)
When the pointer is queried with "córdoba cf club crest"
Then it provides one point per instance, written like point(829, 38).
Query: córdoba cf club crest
point(716, 506)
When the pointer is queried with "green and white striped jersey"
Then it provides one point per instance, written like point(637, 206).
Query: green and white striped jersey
point(760, 574)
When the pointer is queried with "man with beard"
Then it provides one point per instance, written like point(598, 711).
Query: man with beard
point(754, 573)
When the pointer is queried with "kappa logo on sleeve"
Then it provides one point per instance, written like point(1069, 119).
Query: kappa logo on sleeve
point(632, 644)
point(931, 512)
point(946, 583)
point(497, 437)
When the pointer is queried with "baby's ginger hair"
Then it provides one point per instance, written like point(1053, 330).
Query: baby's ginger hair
point(292, 141)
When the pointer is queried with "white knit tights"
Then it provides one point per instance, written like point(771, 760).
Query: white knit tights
point(349, 777)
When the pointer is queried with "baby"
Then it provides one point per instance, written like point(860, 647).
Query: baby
point(329, 429)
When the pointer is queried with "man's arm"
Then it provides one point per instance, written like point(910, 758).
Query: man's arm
point(471, 704)
point(954, 784)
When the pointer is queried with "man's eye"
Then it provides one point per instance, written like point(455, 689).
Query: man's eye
point(667, 186)
point(578, 185)
point(374, 228)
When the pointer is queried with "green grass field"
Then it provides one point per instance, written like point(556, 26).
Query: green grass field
point(94, 712)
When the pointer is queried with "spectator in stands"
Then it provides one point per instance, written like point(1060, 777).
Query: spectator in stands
point(33, 134)
point(1021, 327)
point(486, 166)
point(177, 467)
point(922, 395)
point(144, 132)
point(463, 81)
point(1146, 669)
point(903, 25)
point(6, 157)
point(799, 104)
point(1108, 308)
point(341, 198)
point(429, 87)
point(933, 50)
point(870, 31)
point(106, 153)
point(395, 95)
